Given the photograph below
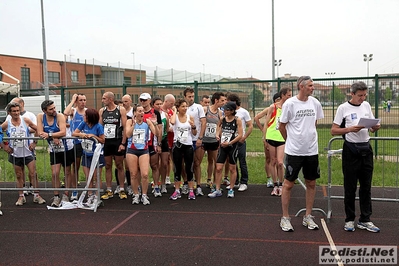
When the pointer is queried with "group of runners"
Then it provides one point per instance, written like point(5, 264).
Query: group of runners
point(169, 133)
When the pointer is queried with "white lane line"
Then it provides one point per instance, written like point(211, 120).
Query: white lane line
point(331, 241)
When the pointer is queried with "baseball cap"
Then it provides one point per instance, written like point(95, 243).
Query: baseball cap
point(145, 96)
point(230, 106)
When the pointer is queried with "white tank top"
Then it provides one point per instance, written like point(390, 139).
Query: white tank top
point(182, 131)
point(20, 146)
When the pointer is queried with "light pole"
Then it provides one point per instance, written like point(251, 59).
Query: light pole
point(277, 63)
point(330, 74)
point(368, 59)
point(133, 60)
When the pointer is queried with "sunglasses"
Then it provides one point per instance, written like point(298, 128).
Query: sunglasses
point(143, 100)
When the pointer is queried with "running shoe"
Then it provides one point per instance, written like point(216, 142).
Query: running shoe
point(270, 182)
point(185, 189)
point(38, 199)
point(176, 195)
point(226, 181)
point(349, 226)
point(74, 195)
point(214, 194)
point(369, 226)
point(122, 194)
point(191, 195)
point(275, 191)
point(167, 181)
point(107, 195)
point(129, 190)
point(56, 201)
point(308, 221)
point(145, 200)
point(117, 190)
point(163, 189)
point(230, 193)
point(199, 192)
point(21, 200)
point(285, 224)
point(136, 199)
point(157, 192)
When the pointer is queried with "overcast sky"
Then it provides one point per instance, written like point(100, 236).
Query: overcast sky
point(228, 38)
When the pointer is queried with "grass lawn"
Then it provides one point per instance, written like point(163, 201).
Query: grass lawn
point(385, 172)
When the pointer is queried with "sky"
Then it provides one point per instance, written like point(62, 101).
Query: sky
point(228, 38)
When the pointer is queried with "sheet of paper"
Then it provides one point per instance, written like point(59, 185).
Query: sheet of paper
point(368, 122)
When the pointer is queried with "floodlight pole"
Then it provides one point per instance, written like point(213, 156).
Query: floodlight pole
point(367, 59)
point(46, 90)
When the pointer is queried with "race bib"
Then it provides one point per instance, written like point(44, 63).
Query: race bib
point(210, 131)
point(138, 136)
point(110, 131)
point(226, 137)
point(57, 148)
point(87, 145)
point(18, 143)
point(182, 134)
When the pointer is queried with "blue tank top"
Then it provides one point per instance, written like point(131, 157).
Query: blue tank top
point(141, 135)
point(76, 120)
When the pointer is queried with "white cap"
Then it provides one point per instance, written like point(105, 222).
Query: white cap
point(145, 96)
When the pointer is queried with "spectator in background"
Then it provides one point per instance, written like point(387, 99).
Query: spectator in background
point(357, 156)
point(298, 122)
point(389, 105)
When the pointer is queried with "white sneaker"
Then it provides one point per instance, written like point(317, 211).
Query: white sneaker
point(145, 200)
point(136, 199)
point(285, 224)
point(242, 187)
point(270, 182)
point(163, 189)
point(65, 198)
point(309, 222)
point(157, 192)
point(167, 180)
point(199, 192)
point(129, 190)
point(117, 190)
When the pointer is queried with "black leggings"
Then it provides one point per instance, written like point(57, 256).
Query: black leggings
point(180, 152)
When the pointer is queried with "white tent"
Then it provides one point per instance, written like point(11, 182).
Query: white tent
point(8, 87)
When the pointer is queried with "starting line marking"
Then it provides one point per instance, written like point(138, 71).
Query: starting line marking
point(331, 241)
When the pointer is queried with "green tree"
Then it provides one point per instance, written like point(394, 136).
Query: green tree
point(336, 95)
point(388, 93)
point(259, 97)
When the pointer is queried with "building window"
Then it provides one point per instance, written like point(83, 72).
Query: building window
point(74, 76)
point(138, 81)
point(54, 77)
point(25, 78)
point(127, 80)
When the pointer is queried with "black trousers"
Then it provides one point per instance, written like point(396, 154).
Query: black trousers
point(180, 153)
point(357, 168)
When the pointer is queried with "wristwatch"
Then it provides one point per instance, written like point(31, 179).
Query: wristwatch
point(200, 138)
point(50, 134)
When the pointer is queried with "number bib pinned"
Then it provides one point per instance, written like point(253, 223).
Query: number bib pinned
point(138, 136)
point(182, 134)
point(110, 131)
point(210, 131)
